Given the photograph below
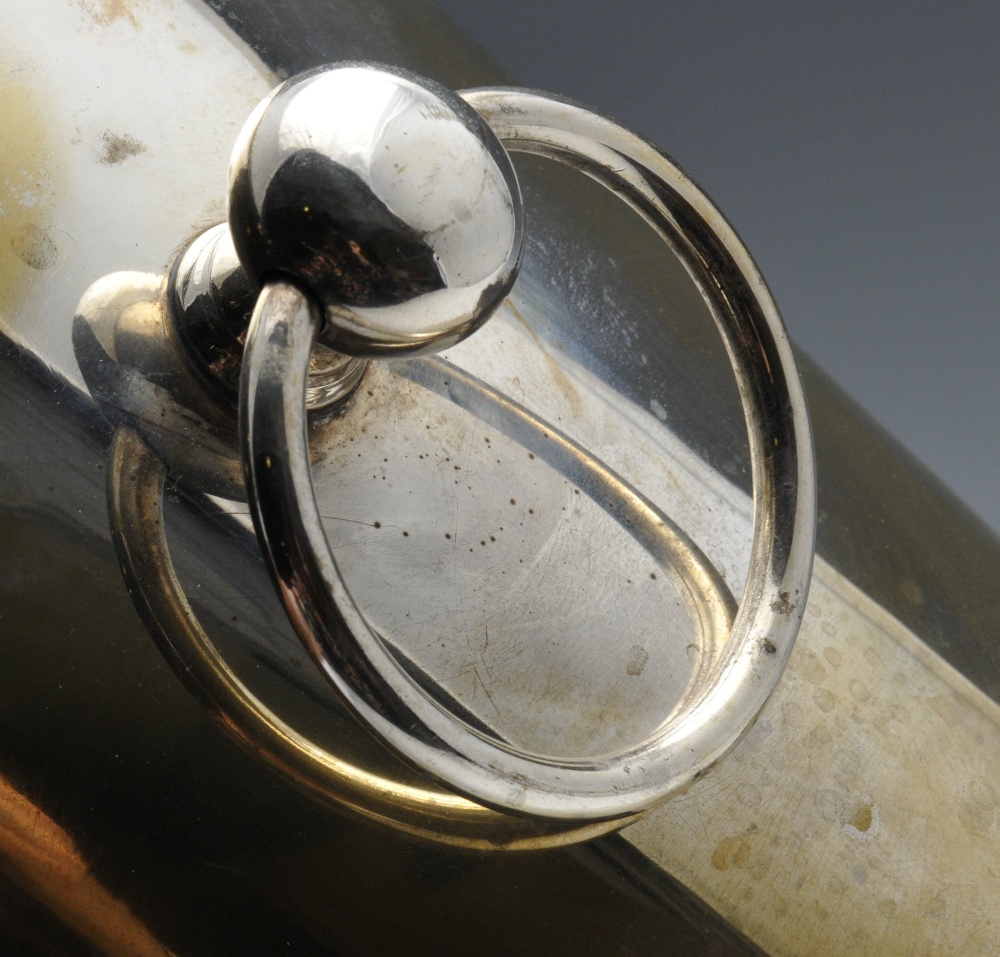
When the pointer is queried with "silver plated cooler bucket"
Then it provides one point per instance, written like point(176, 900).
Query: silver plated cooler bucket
point(551, 532)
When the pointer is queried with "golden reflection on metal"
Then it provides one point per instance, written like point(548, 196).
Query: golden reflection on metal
point(39, 856)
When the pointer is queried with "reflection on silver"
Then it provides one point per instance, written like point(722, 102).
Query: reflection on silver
point(210, 304)
point(387, 198)
point(381, 193)
point(137, 369)
point(352, 655)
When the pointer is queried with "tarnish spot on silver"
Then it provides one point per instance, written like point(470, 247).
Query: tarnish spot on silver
point(637, 658)
point(118, 147)
point(33, 246)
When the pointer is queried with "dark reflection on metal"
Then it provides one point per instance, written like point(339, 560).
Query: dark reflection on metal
point(215, 297)
point(210, 301)
point(338, 233)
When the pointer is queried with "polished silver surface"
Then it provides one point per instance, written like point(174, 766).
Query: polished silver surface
point(724, 698)
point(137, 369)
point(211, 299)
point(387, 198)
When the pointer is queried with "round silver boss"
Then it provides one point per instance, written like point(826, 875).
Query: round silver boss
point(385, 196)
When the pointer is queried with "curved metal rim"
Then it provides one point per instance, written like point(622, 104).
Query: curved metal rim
point(361, 668)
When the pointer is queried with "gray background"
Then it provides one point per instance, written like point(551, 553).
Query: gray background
point(854, 148)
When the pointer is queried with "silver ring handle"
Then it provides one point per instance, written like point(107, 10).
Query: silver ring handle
point(730, 693)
